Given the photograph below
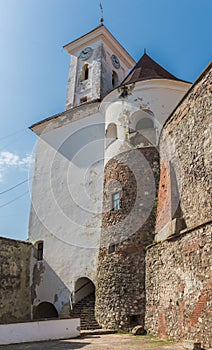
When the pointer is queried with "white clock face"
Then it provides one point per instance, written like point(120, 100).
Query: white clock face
point(115, 61)
point(86, 53)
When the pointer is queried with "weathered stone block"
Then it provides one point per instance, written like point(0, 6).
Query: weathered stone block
point(171, 228)
point(15, 298)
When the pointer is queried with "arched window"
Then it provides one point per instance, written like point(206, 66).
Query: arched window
point(143, 123)
point(116, 201)
point(111, 134)
point(85, 72)
point(142, 119)
point(114, 79)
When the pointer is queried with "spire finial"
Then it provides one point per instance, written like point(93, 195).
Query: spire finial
point(102, 15)
point(144, 50)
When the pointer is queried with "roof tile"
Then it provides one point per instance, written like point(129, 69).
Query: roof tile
point(146, 69)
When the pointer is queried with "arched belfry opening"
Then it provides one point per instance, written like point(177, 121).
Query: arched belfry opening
point(83, 303)
point(115, 79)
point(44, 310)
point(85, 73)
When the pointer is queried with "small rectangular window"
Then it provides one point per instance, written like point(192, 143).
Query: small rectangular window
point(40, 251)
point(116, 201)
point(112, 248)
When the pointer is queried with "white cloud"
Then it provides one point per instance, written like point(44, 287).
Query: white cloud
point(11, 160)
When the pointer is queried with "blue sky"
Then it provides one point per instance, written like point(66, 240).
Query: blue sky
point(34, 68)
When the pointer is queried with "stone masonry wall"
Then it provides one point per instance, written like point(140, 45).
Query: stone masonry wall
point(120, 290)
point(178, 270)
point(15, 297)
point(186, 145)
point(179, 287)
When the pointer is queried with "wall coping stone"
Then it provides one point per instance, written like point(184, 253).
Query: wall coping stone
point(172, 227)
point(181, 233)
point(15, 240)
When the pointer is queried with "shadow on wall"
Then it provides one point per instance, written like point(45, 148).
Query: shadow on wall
point(176, 210)
point(169, 209)
point(57, 298)
point(46, 283)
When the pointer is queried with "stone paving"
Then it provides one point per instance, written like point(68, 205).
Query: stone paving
point(100, 342)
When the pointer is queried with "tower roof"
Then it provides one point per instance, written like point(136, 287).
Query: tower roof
point(146, 68)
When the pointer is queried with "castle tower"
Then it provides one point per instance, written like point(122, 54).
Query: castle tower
point(134, 116)
point(100, 152)
point(67, 190)
point(98, 64)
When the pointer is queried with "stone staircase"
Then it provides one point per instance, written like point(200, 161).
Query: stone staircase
point(84, 309)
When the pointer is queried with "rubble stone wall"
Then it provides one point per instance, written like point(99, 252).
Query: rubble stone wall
point(120, 292)
point(178, 270)
point(15, 297)
point(185, 145)
point(179, 287)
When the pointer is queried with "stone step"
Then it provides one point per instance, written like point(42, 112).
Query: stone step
point(84, 309)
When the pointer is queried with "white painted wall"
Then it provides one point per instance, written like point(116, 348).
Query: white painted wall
point(71, 153)
point(158, 96)
point(66, 207)
point(38, 331)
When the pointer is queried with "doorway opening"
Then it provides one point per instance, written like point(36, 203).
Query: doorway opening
point(45, 310)
point(83, 303)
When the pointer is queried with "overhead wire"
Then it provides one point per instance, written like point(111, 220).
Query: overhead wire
point(11, 141)
point(17, 185)
point(13, 200)
point(14, 133)
point(20, 183)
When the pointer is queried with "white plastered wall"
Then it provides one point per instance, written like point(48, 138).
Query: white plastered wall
point(158, 96)
point(66, 207)
point(16, 333)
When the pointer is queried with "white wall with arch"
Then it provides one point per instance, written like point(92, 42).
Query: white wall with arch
point(147, 106)
point(66, 206)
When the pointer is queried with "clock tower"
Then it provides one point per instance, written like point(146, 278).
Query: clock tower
point(98, 65)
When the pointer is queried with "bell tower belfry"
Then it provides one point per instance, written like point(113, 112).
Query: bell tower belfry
point(98, 64)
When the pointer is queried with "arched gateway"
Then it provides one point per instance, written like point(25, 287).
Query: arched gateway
point(83, 303)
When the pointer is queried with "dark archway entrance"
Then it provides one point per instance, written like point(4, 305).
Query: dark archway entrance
point(83, 287)
point(84, 303)
point(45, 310)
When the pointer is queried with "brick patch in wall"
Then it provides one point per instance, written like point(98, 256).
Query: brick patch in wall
point(203, 299)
